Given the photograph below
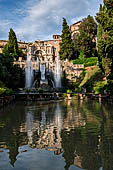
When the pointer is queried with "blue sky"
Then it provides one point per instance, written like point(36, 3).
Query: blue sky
point(40, 19)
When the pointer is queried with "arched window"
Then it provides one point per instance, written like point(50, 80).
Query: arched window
point(74, 35)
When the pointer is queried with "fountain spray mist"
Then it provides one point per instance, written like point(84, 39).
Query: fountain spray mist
point(58, 73)
point(29, 75)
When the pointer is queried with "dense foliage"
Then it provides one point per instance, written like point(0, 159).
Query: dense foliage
point(66, 45)
point(6, 91)
point(11, 49)
point(86, 61)
point(10, 75)
point(93, 80)
point(105, 38)
point(85, 40)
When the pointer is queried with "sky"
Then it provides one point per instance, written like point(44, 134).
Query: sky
point(40, 19)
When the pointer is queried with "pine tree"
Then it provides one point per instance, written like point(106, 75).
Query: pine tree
point(11, 49)
point(85, 40)
point(105, 37)
point(66, 45)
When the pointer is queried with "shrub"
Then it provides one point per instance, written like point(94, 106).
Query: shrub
point(69, 91)
point(27, 90)
point(9, 91)
point(6, 91)
point(2, 91)
point(81, 56)
point(109, 87)
point(2, 84)
point(64, 95)
point(99, 87)
point(86, 61)
point(40, 90)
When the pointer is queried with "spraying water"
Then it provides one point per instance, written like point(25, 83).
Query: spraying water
point(58, 73)
point(42, 70)
point(29, 76)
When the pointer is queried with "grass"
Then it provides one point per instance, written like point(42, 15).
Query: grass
point(90, 72)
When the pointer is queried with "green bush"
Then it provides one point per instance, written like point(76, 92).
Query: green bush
point(2, 84)
point(69, 91)
point(109, 87)
point(2, 91)
point(40, 90)
point(81, 56)
point(64, 95)
point(6, 91)
point(99, 87)
point(9, 91)
point(78, 61)
point(86, 61)
point(27, 90)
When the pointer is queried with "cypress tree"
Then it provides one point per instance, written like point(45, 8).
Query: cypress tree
point(105, 37)
point(11, 49)
point(66, 45)
point(11, 75)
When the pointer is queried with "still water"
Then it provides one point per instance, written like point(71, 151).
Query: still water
point(70, 135)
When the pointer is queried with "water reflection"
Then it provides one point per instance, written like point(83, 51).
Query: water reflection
point(75, 135)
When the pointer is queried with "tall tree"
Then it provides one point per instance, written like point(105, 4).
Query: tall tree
point(66, 45)
point(85, 40)
point(105, 37)
point(11, 75)
point(11, 48)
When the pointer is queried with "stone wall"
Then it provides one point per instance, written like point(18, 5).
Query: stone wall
point(46, 52)
point(75, 29)
point(72, 71)
point(38, 44)
point(22, 45)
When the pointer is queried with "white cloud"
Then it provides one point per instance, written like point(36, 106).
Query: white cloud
point(42, 18)
point(5, 25)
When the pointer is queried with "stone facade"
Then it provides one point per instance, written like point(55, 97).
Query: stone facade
point(46, 52)
point(22, 45)
point(75, 29)
point(42, 52)
point(72, 71)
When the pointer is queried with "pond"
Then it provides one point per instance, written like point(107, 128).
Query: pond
point(67, 135)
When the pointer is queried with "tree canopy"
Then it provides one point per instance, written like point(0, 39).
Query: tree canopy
point(11, 75)
point(11, 49)
point(105, 37)
point(66, 45)
point(85, 40)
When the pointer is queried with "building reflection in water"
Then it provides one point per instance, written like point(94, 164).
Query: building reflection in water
point(45, 132)
point(80, 132)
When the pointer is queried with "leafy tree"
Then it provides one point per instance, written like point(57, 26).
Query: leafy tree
point(85, 41)
point(11, 49)
point(11, 75)
point(105, 37)
point(66, 46)
point(5, 64)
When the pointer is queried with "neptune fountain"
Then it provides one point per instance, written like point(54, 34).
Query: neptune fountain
point(44, 67)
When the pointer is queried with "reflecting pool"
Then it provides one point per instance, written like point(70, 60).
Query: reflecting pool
point(67, 135)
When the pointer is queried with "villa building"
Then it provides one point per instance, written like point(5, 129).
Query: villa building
point(75, 29)
point(46, 52)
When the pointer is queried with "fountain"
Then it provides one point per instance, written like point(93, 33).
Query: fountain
point(43, 81)
point(57, 73)
point(42, 70)
point(29, 75)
